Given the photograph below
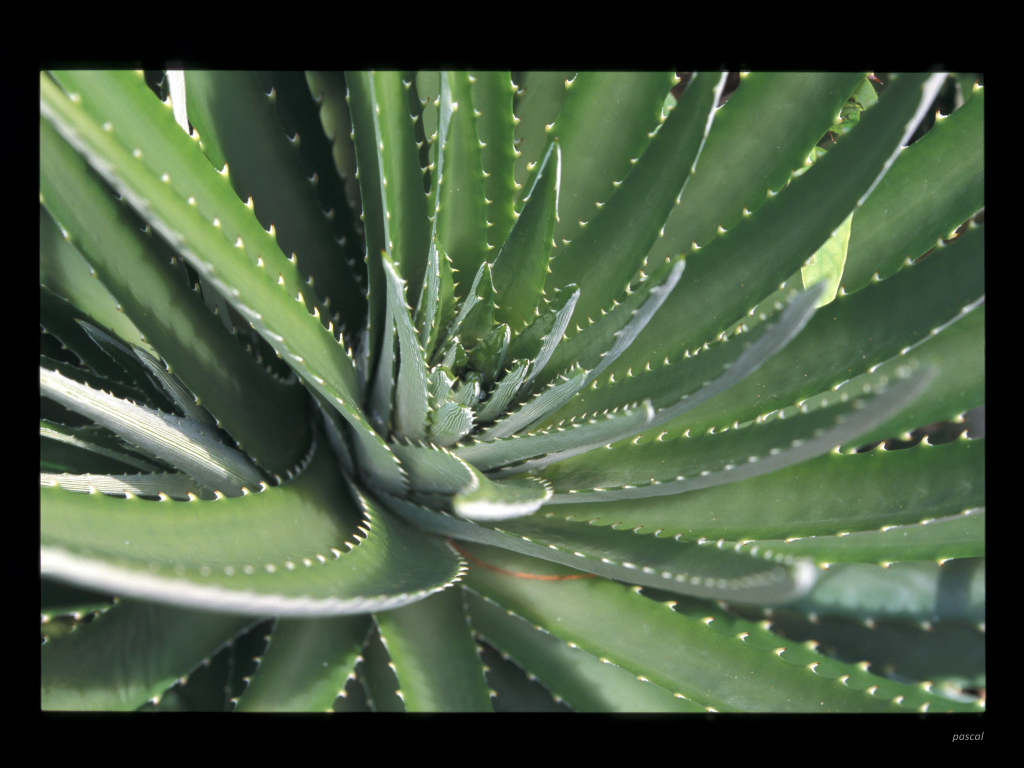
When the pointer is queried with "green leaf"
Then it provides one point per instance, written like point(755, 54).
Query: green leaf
point(461, 219)
point(727, 625)
point(266, 166)
point(856, 333)
point(306, 665)
point(406, 225)
point(175, 485)
point(436, 306)
point(605, 123)
point(536, 104)
point(488, 357)
point(544, 402)
point(186, 445)
point(148, 373)
point(288, 551)
point(454, 355)
point(441, 381)
point(504, 392)
point(56, 599)
point(299, 110)
point(135, 651)
point(329, 91)
point(488, 500)
point(434, 471)
point(377, 676)
point(139, 376)
point(664, 468)
point(111, 455)
point(476, 496)
point(58, 317)
point(178, 392)
point(583, 681)
point(968, 84)
point(949, 655)
point(146, 142)
point(428, 91)
point(514, 689)
point(94, 380)
point(826, 265)
point(450, 423)
point(719, 368)
point(476, 316)
point(728, 276)
point(527, 344)
point(64, 271)
point(411, 401)
point(283, 320)
point(382, 395)
point(371, 197)
point(951, 591)
point(574, 439)
point(617, 237)
point(687, 568)
point(792, 110)
point(468, 392)
point(610, 621)
point(522, 264)
point(492, 99)
point(835, 493)
point(434, 656)
point(958, 353)
point(598, 345)
point(961, 535)
point(863, 97)
point(934, 186)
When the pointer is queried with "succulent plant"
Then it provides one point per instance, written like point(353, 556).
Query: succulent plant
point(570, 400)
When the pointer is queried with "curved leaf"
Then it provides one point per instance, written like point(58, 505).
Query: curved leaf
point(288, 551)
point(686, 568)
point(184, 444)
point(610, 621)
point(173, 484)
point(285, 322)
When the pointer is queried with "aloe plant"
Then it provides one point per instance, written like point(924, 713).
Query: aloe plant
point(566, 401)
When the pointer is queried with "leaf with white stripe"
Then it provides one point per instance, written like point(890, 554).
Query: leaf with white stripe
point(184, 444)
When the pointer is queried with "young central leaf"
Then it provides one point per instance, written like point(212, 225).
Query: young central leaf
point(411, 394)
point(476, 318)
